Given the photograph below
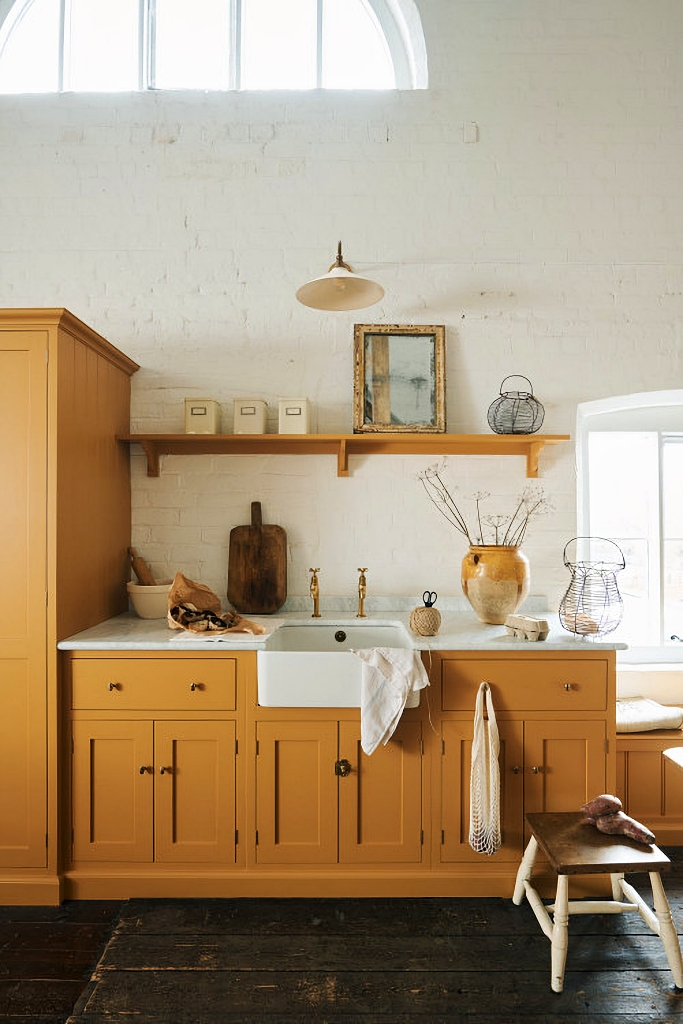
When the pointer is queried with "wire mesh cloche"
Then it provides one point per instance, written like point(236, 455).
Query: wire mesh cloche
point(592, 605)
point(516, 412)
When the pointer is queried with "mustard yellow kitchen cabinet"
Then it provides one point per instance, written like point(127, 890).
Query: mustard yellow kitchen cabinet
point(650, 787)
point(161, 791)
point(555, 716)
point(154, 795)
point(321, 800)
point(65, 526)
point(313, 815)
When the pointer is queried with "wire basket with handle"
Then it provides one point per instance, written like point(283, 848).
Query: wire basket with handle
point(592, 604)
point(516, 412)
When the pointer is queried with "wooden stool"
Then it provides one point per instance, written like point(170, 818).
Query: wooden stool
point(574, 847)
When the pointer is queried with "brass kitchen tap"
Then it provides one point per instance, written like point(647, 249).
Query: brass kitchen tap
point(362, 591)
point(315, 593)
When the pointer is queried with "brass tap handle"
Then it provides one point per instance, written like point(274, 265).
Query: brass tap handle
point(362, 591)
point(315, 593)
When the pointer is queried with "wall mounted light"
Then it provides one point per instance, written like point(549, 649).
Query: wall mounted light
point(340, 289)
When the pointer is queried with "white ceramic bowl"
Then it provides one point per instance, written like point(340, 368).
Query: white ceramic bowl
point(150, 602)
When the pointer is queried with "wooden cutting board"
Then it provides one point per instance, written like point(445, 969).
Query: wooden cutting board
point(257, 566)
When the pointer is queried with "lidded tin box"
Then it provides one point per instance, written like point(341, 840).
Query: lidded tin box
point(202, 416)
point(294, 417)
point(250, 416)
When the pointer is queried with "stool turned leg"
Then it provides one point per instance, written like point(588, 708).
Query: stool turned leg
point(667, 930)
point(560, 936)
point(524, 871)
point(617, 891)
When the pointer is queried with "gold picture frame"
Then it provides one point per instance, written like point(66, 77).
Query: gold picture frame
point(399, 378)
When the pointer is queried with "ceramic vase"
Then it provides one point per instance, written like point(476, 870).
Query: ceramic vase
point(495, 580)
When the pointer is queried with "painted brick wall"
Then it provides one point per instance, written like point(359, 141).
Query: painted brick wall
point(180, 226)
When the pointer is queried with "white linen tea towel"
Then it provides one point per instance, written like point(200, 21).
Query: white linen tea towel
point(389, 676)
point(485, 834)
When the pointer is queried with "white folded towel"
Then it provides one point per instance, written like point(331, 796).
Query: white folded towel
point(389, 676)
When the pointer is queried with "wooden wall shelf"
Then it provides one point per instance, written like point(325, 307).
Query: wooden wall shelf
point(344, 445)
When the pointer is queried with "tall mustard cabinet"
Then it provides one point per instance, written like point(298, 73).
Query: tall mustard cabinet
point(64, 530)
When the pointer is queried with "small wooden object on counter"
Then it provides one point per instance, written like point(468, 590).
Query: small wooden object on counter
point(141, 569)
point(257, 566)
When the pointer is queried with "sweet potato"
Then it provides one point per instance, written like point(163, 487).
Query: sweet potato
point(599, 805)
point(619, 823)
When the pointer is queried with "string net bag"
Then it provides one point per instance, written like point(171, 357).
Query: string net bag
point(592, 605)
point(484, 836)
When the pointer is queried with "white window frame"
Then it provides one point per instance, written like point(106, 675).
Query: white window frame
point(398, 20)
point(659, 412)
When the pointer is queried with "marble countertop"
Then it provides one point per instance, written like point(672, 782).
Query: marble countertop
point(460, 630)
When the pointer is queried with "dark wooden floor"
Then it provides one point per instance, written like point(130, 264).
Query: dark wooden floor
point(279, 961)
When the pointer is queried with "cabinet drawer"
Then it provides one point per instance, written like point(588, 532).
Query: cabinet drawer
point(197, 684)
point(571, 684)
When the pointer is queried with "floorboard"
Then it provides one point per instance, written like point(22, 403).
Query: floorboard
point(329, 961)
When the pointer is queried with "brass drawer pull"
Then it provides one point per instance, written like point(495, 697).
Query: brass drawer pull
point(342, 767)
point(114, 686)
point(146, 768)
point(196, 686)
point(534, 769)
point(166, 770)
point(568, 686)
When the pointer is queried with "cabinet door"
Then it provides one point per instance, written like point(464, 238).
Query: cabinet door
point(564, 764)
point(650, 787)
point(380, 801)
point(112, 791)
point(296, 793)
point(456, 760)
point(194, 767)
point(23, 658)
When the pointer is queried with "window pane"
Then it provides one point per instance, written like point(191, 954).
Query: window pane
point(101, 40)
point(29, 61)
point(279, 44)
point(355, 54)
point(624, 507)
point(192, 44)
point(672, 498)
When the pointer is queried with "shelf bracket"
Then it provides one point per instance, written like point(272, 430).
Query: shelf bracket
point(532, 459)
point(342, 458)
point(152, 453)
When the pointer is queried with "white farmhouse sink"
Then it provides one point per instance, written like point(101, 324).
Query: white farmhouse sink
point(310, 665)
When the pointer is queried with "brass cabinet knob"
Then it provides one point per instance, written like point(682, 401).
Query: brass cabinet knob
point(166, 770)
point(114, 686)
point(196, 686)
point(146, 768)
point(342, 767)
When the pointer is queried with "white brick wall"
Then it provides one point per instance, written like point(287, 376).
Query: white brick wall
point(180, 226)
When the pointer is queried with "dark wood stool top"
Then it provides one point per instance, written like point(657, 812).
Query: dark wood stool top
point(575, 847)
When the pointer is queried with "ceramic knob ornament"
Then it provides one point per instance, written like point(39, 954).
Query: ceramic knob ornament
point(426, 620)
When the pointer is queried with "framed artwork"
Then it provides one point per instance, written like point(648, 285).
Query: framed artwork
point(399, 378)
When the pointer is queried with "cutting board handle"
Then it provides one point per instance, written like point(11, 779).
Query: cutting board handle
point(256, 514)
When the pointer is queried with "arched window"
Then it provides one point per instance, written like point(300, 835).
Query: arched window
point(126, 45)
point(630, 490)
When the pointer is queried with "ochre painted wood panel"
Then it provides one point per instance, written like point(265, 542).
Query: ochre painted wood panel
point(296, 792)
point(650, 787)
point(93, 496)
point(23, 649)
point(380, 801)
point(129, 684)
point(194, 792)
point(455, 792)
point(526, 684)
point(564, 764)
point(112, 791)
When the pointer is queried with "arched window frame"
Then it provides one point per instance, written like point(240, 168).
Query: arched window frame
point(398, 20)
